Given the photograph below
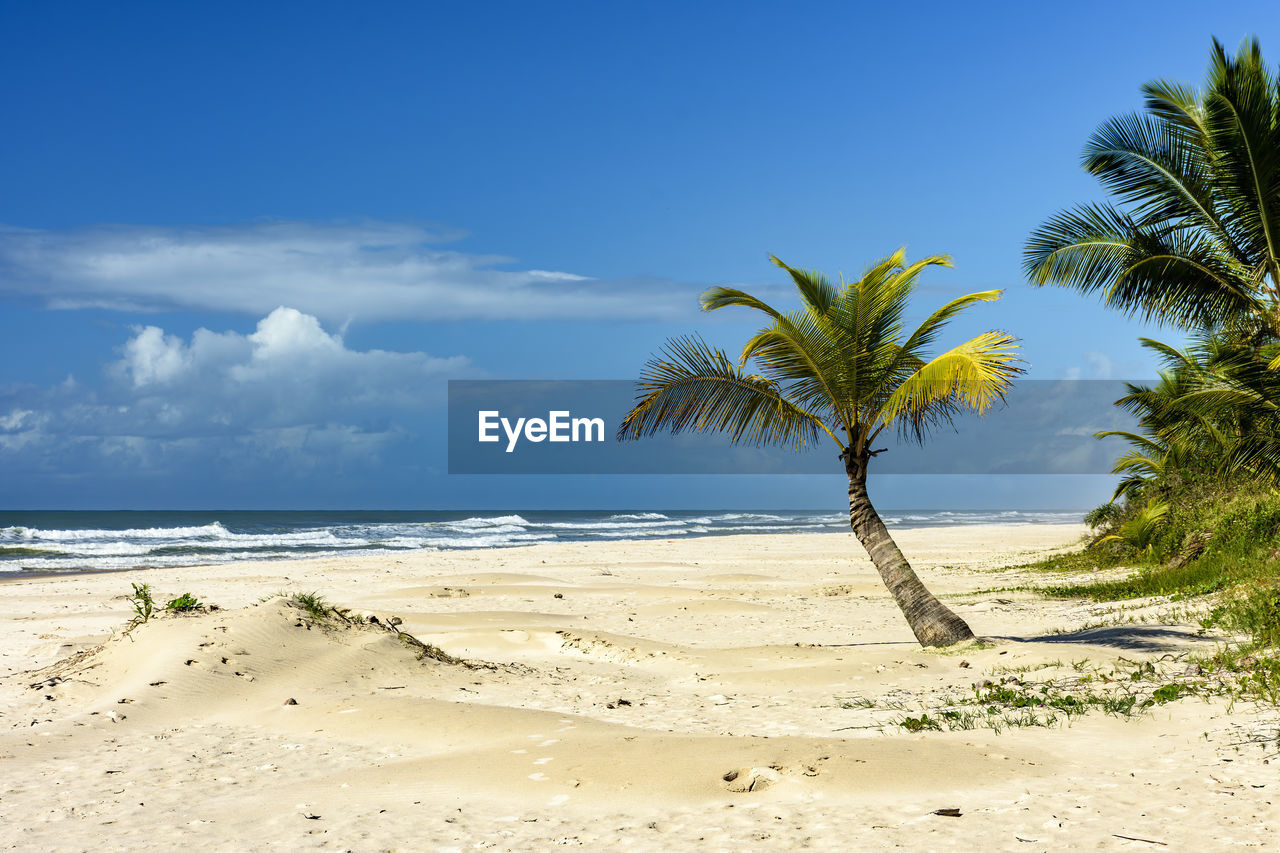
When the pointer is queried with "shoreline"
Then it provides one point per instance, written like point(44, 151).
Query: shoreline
point(693, 694)
point(212, 544)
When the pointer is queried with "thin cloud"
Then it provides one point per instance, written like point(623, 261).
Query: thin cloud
point(372, 271)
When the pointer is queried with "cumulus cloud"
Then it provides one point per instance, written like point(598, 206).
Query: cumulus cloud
point(370, 271)
point(290, 393)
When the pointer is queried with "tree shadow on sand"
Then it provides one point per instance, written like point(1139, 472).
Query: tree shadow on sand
point(1138, 638)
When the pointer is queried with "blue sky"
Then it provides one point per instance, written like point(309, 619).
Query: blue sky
point(357, 202)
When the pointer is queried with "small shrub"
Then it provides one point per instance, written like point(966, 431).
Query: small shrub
point(1140, 532)
point(1104, 516)
point(143, 603)
point(922, 723)
point(1167, 693)
point(183, 604)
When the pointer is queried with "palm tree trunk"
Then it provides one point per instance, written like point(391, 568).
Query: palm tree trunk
point(931, 621)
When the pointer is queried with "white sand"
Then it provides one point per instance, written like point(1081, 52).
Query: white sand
point(734, 654)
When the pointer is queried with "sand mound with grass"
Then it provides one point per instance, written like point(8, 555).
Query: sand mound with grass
point(245, 661)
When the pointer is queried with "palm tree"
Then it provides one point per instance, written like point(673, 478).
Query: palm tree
point(1196, 240)
point(1212, 414)
point(843, 365)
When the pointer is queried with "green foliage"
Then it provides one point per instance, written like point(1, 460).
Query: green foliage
point(1087, 560)
point(312, 604)
point(1193, 237)
point(844, 364)
point(1212, 537)
point(1211, 419)
point(1140, 531)
point(1254, 610)
point(1167, 693)
point(1124, 691)
point(143, 604)
point(1020, 696)
point(922, 723)
point(183, 604)
point(1193, 240)
point(1104, 515)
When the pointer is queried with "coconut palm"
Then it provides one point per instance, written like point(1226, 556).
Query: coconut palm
point(842, 365)
point(1195, 240)
point(1212, 414)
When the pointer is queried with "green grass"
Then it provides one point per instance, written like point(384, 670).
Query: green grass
point(1238, 528)
point(312, 604)
point(1127, 689)
point(1085, 560)
point(1253, 610)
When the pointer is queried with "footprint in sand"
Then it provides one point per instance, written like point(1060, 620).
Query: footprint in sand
point(748, 779)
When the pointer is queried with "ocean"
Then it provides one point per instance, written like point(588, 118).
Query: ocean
point(63, 541)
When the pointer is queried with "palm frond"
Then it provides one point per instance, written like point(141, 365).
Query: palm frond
point(1140, 532)
point(817, 291)
point(925, 333)
point(1194, 240)
point(1160, 275)
point(973, 375)
point(691, 386)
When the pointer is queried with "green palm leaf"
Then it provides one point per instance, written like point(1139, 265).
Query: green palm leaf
point(693, 387)
point(1195, 239)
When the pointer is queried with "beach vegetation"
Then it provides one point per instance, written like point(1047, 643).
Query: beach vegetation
point(1190, 240)
point(1139, 532)
point(921, 723)
point(842, 366)
point(311, 603)
point(142, 601)
point(183, 604)
point(1125, 689)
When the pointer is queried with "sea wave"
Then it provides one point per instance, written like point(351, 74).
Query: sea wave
point(213, 530)
point(275, 536)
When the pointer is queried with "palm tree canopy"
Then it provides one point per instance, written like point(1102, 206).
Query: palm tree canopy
point(1195, 238)
point(843, 364)
point(1213, 411)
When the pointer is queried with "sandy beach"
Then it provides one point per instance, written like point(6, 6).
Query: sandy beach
point(709, 693)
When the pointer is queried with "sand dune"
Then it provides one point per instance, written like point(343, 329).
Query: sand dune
point(707, 694)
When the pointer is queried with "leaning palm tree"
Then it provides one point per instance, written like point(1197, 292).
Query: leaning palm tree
point(844, 366)
point(1195, 239)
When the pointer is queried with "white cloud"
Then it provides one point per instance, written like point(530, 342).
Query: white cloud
point(335, 272)
point(288, 393)
point(290, 371)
